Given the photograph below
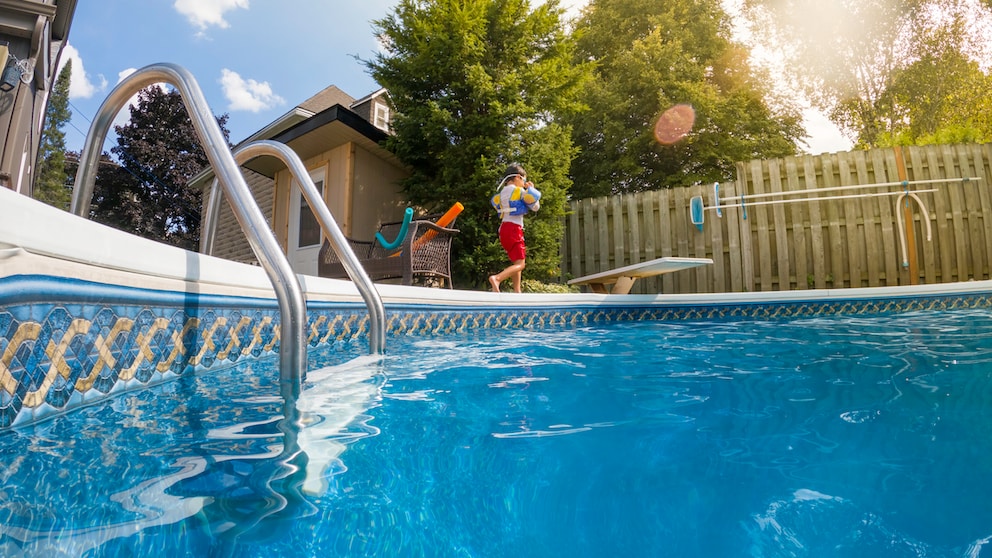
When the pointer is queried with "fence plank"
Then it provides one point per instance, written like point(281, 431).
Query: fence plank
point(888, 241)
point(719, 279)
point(738, 252)
point(781, 227)
point(673, 210)
point(757, 225)
point(838, 252)
point(633, 225)
point(962, 254)
point(574, 236)
point(848, 223)
point(704, 274)
point(869, 212)
point(648, 229)
point(980, 156)
point(603, 233)
point(937, 256)
point(619, 246)
point(589, 236)
point(798, 244)
point(816, 232)
point(970, 204)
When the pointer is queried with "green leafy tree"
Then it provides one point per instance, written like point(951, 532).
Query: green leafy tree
point(856, 60)
point(158, 152)
point(477, 84)
point(50, 185)
point(943, 96)
point(651, 55)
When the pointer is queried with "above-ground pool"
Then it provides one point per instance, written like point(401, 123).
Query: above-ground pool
point(839, 435)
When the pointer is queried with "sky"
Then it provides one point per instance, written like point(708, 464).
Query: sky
point(253, 59)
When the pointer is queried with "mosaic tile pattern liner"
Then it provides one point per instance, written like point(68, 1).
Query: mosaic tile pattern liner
point(65, 342)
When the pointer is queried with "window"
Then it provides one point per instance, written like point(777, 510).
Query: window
point(381, 119)
point(309, 231)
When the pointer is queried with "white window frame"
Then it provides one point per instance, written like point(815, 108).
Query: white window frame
point(381, 116)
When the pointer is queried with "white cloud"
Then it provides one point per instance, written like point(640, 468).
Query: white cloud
point(247, 95)
point(204, 13)
point(80, 84)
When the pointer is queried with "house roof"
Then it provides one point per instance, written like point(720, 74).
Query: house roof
point(369, 97)
point(331, 127)
point(316, 125)
point(327, 98)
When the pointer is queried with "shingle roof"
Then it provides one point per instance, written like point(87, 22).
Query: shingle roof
point(327, 98)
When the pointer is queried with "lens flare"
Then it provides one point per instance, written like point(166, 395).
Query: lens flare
point(674, 124)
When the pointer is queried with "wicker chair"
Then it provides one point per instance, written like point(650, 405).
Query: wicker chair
point(423, 256)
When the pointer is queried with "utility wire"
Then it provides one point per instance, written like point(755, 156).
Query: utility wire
point(150, 176)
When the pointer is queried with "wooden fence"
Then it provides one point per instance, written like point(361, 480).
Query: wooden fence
point(852, 240)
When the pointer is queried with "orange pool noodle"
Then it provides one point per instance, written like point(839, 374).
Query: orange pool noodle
point(448, 217)
point(444, 221)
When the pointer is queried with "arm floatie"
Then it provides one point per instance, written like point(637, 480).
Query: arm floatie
point(517, 201)
point(532, 197)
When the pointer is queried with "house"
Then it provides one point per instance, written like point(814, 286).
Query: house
point(337, 137)
point(32, 34)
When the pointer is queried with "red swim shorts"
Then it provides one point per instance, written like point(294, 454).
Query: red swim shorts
point(511, 236)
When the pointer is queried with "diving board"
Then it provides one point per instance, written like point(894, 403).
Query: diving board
point(622, 278)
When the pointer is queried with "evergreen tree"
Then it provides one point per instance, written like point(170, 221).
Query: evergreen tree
point(476, 85)
point(651, 55)
point(158, 152)
point(50, 184)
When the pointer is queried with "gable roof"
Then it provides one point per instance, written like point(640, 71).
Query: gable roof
point(327, 98)
point(324, 120)
point(369, 97)
point(331, 127)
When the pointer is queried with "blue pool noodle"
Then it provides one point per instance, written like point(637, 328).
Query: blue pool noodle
point(407, 215)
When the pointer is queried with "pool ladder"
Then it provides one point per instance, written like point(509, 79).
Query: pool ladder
point(227, 172)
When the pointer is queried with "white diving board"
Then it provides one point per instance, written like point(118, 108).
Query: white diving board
point(622, 278)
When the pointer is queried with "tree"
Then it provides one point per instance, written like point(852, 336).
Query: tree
point(115, 202)
point(159, 152)
point(848, 55)
point(942, 96)
point(477, 84)
point(50, 184)
point(651, 55)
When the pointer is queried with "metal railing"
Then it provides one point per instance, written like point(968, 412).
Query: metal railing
point(243, 154)
point(289, 294)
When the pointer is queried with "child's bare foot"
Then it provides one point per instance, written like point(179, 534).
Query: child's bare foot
point(494, 283)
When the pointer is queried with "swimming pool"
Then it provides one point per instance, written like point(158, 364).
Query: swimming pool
point(803, 436)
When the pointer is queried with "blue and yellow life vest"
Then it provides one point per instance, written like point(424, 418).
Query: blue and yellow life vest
point(518, 201)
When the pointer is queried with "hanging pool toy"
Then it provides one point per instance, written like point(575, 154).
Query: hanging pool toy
point(407, 216)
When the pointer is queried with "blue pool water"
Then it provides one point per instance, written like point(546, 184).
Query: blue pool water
point(836, 436)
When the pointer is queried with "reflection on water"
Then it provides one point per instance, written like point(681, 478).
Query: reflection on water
point(249, 476)
point(814, 437)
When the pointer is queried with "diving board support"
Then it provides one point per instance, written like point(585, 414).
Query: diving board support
point(622, 279)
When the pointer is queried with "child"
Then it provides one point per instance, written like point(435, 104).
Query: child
point(515, 198)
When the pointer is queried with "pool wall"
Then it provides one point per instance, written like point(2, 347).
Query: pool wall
point(87, 312)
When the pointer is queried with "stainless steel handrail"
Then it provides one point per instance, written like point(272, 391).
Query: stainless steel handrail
point(377, 314)
point(292, 305)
